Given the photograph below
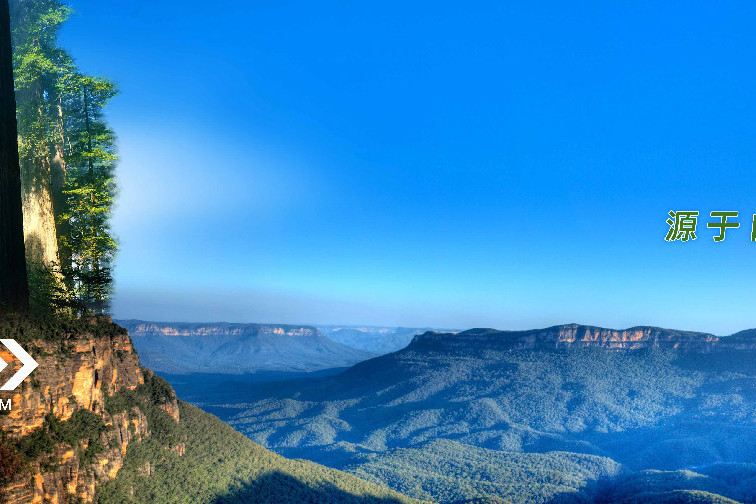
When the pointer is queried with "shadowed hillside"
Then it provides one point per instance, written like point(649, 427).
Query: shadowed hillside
point(268, 489)
point(646, 398)
point(91, 425)
point(208, 462)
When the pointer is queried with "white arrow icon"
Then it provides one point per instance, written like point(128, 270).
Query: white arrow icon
point(29, 364)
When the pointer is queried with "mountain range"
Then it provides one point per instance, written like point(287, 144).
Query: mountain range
point(569, 413)
point(182, 348)
point(91, 425)
point(378, 340)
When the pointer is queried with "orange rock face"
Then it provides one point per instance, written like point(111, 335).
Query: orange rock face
point(77, 375)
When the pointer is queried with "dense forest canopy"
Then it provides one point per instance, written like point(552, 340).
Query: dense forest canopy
point(67, 156)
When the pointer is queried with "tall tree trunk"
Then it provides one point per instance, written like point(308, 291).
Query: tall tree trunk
point(14, 286)
point(58, 167)
point(40, 233)
point(57, 185)
point(35, 122)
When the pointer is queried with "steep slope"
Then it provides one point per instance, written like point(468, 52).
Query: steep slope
point(91, 425)
point(183, 348)
point(207, 461)
point(646, 397)
point(58, 440)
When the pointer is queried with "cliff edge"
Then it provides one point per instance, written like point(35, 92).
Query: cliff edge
point(91, 425)
point(59, 439)
point(576, 335)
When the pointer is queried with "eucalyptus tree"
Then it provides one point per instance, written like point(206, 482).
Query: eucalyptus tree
point(67, 157)
point(36, 63)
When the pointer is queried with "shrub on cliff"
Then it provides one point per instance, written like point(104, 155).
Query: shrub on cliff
point(55, 327)
point(10, 463)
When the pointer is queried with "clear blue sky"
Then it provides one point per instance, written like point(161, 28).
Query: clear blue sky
point(456, 164)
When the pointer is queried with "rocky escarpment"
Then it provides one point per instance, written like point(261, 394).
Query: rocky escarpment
point(186, 329)
point(575, 335)
point(189, 348)
point(59, 430)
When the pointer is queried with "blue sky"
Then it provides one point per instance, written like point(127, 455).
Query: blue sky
point(449, 164)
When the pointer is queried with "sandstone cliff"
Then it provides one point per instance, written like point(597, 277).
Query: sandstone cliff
point(575, 335)
point(59, 426)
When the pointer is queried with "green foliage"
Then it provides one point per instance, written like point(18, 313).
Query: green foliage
point(53, 327)
point(47, 292)
point(10, 463)
point(120, 402)
point(220, 465)
point(159, 389)
point(38, 442)
point(37, 63)
point(382, 419)
point(152, 393)
point(83, 426)
point(197, 460)
point(88, 243)
point(67, 157)
point(717, 484)
point(448, 471)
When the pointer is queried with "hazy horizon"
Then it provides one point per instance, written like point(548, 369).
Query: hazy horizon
point(170, 312)
point(507, 166)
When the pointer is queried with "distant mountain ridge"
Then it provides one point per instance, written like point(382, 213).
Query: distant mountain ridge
point(216, 328)
point(434, 419)
point(231, 348)
point(377, 339)
point(576, 335)
point(91, 425)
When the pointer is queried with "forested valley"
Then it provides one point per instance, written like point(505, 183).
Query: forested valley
point(569, 414)
point(563, 414)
